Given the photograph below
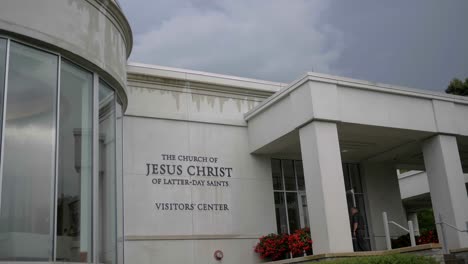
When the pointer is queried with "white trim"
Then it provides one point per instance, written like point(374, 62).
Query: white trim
point(409, 174)
point(56, 160)
point(5, 90)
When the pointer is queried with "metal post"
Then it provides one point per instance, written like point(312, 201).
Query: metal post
point(442, 231)
point(411, 233)
point(387, 231)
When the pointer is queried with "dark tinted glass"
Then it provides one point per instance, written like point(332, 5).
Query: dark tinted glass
point(280, 209)
point(293, 212)
point(289, 175)
point(276, 173)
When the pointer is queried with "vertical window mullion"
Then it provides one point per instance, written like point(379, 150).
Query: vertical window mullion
point(5, 89)
point(95, 169)
point(55, 177)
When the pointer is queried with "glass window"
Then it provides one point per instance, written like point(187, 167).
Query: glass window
point(293, 211)
point(29, 154)
point(290, 203)
point(352, 177)
point(281, 218)
point(74, 187)
point(355, 177)
point(107, 172)
point(276, 171)
point(289, 175)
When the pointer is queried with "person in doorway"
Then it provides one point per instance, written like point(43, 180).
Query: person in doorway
point(358, 230)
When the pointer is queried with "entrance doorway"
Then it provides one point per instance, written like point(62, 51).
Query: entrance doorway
point(355, 195)
point(291, 200)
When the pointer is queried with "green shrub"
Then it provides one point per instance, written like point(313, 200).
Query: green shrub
point(426, 220)
point(386, 259)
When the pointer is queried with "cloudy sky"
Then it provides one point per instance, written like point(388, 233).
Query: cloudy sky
point(419, 43)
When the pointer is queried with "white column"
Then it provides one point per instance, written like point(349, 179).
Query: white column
point(414, 218)
point(447, 187)
point(325, 190)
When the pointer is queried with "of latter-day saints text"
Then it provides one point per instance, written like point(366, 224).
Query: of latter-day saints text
point(197, 171)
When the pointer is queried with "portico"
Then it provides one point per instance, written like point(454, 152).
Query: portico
point(327, 121)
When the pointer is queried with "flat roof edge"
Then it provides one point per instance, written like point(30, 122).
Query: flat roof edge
point(357, 84)
point(204, 77)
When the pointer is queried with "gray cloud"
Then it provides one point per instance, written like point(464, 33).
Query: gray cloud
point(270, 39)
point(419, 43)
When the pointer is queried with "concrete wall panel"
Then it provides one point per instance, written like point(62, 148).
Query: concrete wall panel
point(249, 195)
point(176, 99)
point(94, 33)
point(384, 109)
point(273, 123)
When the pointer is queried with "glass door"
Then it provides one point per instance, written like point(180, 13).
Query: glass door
point(355, 195)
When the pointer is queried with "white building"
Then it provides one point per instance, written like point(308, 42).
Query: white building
point(108, 162)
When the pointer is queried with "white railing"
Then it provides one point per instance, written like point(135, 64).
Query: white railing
point(442, 229)
point(410, 230)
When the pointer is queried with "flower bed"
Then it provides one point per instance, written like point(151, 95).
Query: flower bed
point(426, 237)
point(300, 242)
point(276, 247)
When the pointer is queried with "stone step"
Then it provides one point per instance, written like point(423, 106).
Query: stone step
point(452, 259)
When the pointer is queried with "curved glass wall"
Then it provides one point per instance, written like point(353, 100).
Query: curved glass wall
point(60, 160)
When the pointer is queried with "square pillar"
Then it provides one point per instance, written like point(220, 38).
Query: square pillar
point(325, 189)
point(447, 187)
point(382, 190)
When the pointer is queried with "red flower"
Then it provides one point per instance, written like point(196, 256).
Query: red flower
point(300, 242)
point(427, 237)
point(276, 247)
point(273, 246)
